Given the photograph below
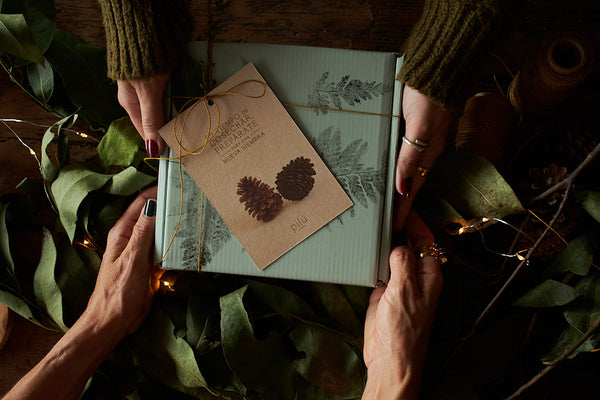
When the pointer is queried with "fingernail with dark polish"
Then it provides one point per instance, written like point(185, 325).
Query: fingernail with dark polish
point(150, 208)
point(399, 239)
point(152, 148)
point(405, 187)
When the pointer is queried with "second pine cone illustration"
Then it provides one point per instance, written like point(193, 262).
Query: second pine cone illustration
point(261, 200)
point(295, 180)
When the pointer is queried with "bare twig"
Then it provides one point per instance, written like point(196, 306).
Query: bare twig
point(550, 367)
point(522, 263)
point(568, 181)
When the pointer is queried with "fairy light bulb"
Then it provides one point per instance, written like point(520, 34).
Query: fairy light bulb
point(32, 152)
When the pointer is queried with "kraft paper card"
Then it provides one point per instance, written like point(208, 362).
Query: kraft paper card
point(255, 166)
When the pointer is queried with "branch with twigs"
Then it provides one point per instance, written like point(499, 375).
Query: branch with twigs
point(567, 184)
point(554, 363)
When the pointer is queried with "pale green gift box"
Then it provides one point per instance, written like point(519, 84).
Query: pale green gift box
point(359, 145)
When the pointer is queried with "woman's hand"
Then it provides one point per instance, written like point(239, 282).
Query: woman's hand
point(426, 122)
point(128, 278)
point(125, 287)
point(143, 101)
point(399, 319)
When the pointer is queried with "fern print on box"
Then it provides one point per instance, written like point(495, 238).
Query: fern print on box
point(358, 149)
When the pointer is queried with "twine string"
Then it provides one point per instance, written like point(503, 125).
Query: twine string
point(207, 102)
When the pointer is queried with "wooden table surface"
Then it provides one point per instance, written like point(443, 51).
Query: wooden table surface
point(356, 24)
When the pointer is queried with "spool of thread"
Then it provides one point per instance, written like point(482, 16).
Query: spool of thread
point(561, 63)
point(485, 127)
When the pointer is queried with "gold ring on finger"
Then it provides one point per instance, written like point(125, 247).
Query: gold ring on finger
point(439, 253)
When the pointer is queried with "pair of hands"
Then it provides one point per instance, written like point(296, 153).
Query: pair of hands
point(400, 314)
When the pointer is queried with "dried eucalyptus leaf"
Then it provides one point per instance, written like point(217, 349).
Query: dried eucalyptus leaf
point(437, 211)
point(201, 325)
point(280, 299)
point(330, 363)
point(82, 68)
point(335, 305)
point(19, 306)
point(17, 39)
point(110, 214)
point(120, 144)
point(264, 366)
point(41, 80)
point(4, 241)
point(41, 17)
point(568, 338)
point(549, 293)
point(472, 186)
point(577, 257)
point(590, 201)
point(583, 313)
point(48, 169)
point(128, 181)
point(44, 285)
point(71, 187)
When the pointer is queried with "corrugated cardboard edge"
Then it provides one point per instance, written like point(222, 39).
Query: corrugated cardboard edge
point(383, 272)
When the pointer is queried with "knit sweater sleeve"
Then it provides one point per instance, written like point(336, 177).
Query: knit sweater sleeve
point(448, 44)
point(144, 37)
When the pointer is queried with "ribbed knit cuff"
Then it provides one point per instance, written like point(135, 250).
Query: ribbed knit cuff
point(144, 37)
point(446, 47)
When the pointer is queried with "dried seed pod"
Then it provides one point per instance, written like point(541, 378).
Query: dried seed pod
point(295, 180)
point(260, 200)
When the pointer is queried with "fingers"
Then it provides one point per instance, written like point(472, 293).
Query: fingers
point(143, 101)
point(428, 271)
point(402, 270)
point(150, 93)
point(121, 232)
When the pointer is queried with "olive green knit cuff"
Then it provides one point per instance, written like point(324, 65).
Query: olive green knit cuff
point(144, 37)
point(446, 47)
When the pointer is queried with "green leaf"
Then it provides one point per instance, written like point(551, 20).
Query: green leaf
point(4, 240)
point(577, 257)
point(109, 215)
point(70, 188)
point(17, 39)
point(549, 293)
point(41, 80)
point(280, 299)
point(566, 341)
point(472, 186)
point(336, 307)
point(44, 285)
point(200, 324)
point(180, 353)
point(82, 68)
point(120, 144)
point(168, 358)
point(128, 181)
point(590, 201)
point(330, 363)
point(437, 211)
point(41, 16)
point(583, 313)
point(48, 169)
point(264, 366)
point(19, 306)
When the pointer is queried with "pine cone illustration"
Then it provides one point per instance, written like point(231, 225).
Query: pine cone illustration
point(261, 200)
point(295, 180)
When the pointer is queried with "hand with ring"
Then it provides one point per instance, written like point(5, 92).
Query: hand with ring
point(400, 316)
point(427, 126)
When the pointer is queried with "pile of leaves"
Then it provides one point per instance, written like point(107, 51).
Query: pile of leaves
point(503, 315)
